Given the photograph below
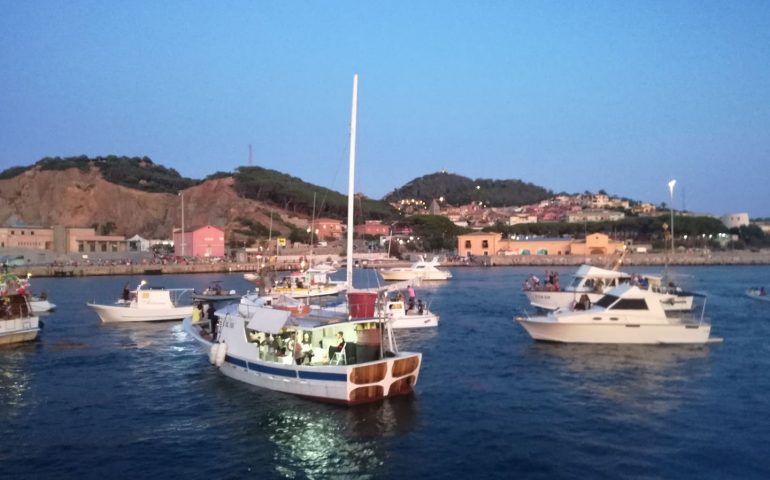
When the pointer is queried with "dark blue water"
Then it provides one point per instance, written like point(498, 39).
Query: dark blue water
point(140, 401)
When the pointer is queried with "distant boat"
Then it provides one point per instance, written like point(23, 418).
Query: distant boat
point(313, 282)
point(420, 269)
point(626, 314)
point(215, 293)
point(758, 293)
point(146, 305)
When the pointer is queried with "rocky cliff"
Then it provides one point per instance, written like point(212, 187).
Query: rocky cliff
point(80, 199)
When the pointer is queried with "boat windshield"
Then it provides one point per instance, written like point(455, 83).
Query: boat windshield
point(606, 301)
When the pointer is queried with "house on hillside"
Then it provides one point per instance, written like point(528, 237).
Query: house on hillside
point(207, 241)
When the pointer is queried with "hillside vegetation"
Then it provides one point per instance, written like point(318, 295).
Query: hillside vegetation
point(139, 173)
point(459, 190)
point(295, 195)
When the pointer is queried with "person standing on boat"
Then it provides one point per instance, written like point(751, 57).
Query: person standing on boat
point(337, 348)
point(197, 313)
point(412, 296)
point(126, 293)
point(213, 319)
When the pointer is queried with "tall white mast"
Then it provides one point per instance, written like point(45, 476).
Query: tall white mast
point(351, 182)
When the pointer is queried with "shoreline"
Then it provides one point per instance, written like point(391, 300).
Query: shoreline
point(288, 263)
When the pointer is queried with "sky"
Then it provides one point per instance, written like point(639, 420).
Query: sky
point(571, 96)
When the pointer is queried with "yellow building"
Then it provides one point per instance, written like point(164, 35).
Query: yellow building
point(490, 243)
point(35, 238)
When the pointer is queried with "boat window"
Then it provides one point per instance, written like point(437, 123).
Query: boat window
point(606, 301)
point(576, 282)
point(631, 304)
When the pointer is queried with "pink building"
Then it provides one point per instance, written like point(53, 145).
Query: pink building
point(208, 241)
point(373, 227)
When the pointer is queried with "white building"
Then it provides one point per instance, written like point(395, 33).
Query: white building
point(735, 220)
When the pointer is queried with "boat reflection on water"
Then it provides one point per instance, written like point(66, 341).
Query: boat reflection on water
point(642, 379)
point(315, 441)
point(14, 381)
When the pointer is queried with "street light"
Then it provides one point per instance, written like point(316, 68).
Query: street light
point(671, 192)
point(181, 194)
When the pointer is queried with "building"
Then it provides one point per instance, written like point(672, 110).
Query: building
point(490, 243)
point(207, 241)
point(736, 220)
point(138, 244)
point(329, 228)
point(595, 216)
point(373, 228)
point(86, 240)
point(35, 238)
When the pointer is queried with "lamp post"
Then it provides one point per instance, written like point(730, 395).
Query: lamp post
point(671, 193)
point(181, 194)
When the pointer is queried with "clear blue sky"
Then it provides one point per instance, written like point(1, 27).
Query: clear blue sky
point(572, 96)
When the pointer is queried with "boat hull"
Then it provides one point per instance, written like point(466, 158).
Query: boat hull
point(403, 275)
point(415, 321)
point(315, 291)
point(19, 330)
point(41, 306)
point(637, 333)
point(200, 297)
point(122, 314)
point(341, 384)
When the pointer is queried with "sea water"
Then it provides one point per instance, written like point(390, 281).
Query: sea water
point(89, 400)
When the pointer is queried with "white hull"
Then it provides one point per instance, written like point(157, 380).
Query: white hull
point(565, 300)
point(403, 275)
point(551, 331)
point(415, 321)
point(118, 314)
point(314, 291)
point(18, 330)
point(344, 384)
point(41, 306)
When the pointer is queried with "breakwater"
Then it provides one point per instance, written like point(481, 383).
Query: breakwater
point(290, 263)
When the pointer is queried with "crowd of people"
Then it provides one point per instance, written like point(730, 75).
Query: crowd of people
point(551, 283)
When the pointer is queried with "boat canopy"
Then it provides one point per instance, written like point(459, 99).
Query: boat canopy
point(268, 320)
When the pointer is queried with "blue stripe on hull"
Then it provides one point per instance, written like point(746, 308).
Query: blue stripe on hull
point(334, 377)
point(285, 372)
point(282, 372)
point(235, 361)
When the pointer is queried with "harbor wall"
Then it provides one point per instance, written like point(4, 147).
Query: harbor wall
point(291, 263)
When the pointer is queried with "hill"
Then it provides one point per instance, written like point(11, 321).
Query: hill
point(459, 190)
point(133, 195)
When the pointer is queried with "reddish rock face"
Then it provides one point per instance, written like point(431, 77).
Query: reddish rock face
point(76, 199)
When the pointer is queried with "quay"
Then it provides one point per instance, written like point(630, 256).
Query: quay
point(288, 263)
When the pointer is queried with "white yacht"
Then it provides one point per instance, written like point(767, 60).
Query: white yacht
point(146, 305)
point(313, 282)
point(626, 314)
point(419, 270)
point(594, 282)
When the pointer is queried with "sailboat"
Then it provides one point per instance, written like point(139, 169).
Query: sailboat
point(348, 358)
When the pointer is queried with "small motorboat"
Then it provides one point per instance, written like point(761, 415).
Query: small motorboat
point(758, 293)
point(146, 305)
point(215, 293)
